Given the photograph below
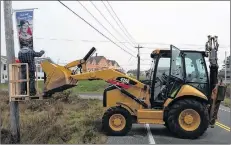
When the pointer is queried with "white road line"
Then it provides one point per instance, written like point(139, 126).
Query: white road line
point(150, 137)
point(224, 110)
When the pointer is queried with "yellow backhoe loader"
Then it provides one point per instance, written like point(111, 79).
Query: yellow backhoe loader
point(184, 96)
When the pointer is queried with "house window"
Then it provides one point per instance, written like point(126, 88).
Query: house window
point(5, 76)
point(2, 76)
point(4, 67)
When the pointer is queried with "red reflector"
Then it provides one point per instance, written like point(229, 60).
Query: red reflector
point(17, 61)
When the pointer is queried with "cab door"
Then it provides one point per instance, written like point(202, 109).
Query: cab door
point(177, 65)
point(176, 74)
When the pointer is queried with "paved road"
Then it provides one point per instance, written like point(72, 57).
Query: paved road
point(158, 134)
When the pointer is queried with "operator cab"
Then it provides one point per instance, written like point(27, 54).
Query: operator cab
point(173, 68)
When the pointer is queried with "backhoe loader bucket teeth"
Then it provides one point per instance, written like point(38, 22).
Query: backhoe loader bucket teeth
point(57, 78)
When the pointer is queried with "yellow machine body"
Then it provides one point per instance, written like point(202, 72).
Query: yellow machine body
point(59, 76)
point(185, 91)
point(129, 99)
point(150, 116)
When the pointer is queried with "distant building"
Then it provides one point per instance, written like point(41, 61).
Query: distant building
point(133, 73)
point(159, 72)
point(221, 73)
point(38, 61)
point(100, 63)
point(4, 76)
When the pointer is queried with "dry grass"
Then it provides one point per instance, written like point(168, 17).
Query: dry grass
point(63, 119)
point(227, 102)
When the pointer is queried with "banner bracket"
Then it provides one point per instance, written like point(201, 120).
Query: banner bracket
point(18, 10)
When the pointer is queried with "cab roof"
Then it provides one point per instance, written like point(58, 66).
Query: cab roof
point(167, 52)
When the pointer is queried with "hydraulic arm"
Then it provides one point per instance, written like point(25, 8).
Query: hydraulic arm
point(217, 90)
point(60, 78)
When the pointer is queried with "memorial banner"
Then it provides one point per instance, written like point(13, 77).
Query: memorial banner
point(24, 22)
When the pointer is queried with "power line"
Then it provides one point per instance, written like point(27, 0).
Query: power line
point(116, 22)
point(101, 23)
point(186, 48)
point(94, 28)
point(157, 43)
point(104, 41)
point(109, 22)
point(121, 22)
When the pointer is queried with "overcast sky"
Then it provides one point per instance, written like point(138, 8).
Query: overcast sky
point(149, 23)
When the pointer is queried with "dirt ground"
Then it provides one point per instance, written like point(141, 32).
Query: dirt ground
point(63, 119)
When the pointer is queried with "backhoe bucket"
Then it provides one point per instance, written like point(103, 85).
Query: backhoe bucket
point(57, 78)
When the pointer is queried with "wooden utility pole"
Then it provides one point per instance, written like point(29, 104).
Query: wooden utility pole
point(14, 109)
point(1, 64)
point(225, 68)
point(138, 64)
point(230, 69)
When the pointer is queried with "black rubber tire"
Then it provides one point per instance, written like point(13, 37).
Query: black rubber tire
point(109, 113)
point(175, 111)
point(166, 125)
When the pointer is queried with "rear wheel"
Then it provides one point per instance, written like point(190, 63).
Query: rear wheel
point(166, 125)
point(117, 121)
point(188, 118)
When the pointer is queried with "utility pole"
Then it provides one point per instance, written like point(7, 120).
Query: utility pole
point(1, 65)
point(14, 110)
point(225, 67)
point(138, 64)
point(230, 70)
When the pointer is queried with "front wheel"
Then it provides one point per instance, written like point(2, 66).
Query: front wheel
point(117, 121)
point(188, 118)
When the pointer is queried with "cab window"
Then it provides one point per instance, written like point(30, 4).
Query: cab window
point(195, 68)
point(177, 63)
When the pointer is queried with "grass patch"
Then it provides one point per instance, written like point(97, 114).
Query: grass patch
point(63, 119)
point(96, 86)
point(3, 86)
point(84, 86)
point(226, 102)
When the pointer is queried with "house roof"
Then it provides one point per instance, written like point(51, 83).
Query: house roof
point(96, 58)
point(113, 62)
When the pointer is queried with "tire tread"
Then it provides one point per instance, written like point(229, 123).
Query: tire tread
point(174, 111)
point(114, 110)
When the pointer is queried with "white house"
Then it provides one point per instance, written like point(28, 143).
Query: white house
point(4, 75)
point(39, 68)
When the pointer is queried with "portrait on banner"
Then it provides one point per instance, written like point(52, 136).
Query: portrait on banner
point(24, 21)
